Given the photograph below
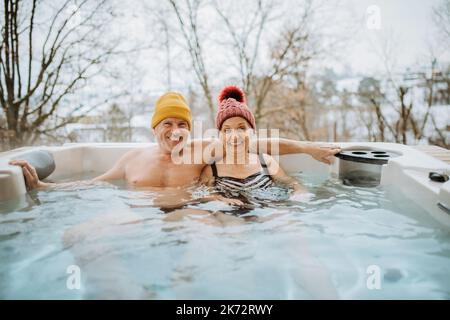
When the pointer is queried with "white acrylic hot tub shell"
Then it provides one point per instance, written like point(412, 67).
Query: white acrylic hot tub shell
point(408, 172)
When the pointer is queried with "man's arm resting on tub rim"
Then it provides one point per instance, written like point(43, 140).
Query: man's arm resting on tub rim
point(320, 151)
point(32, 180)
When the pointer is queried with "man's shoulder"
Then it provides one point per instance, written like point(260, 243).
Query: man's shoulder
point(139, 152)
point(134, 152)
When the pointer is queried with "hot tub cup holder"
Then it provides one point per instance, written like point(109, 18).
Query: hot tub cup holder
point(362, 167)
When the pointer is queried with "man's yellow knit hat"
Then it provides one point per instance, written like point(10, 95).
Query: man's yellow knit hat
point(171, 105)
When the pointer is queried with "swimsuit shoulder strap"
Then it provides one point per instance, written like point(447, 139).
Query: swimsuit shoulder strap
point(214, 169)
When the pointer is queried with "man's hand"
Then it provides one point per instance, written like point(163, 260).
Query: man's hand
point(323, 152)
point(29, 172)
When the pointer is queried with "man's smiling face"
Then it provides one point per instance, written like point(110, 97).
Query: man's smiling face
point(170, 132)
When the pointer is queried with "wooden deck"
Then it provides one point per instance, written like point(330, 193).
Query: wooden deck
point(436, 152)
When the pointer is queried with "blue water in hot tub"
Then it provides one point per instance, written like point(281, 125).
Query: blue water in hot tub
point(346, 242)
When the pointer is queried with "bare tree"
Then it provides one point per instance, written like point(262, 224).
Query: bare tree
point(390, 99)
point(262, 66)
point(160, 20)
point(118, 124)
point(289, 57)
point(187, 17)
point(441, 16)
point(301, 41)
point(43, 62)
point(246, 37)
point(431, 84)
point(408, 118)
point(370, 94)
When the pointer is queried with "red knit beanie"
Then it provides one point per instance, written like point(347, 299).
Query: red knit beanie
point(232, 103)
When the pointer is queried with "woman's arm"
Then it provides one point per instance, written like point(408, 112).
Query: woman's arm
point(277, 173)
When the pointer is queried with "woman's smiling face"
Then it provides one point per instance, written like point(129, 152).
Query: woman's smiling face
point(235, 134)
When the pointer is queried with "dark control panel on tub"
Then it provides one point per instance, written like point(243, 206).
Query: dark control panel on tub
point(367, 156)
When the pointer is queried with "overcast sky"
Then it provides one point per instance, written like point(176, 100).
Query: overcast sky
point(408, 22)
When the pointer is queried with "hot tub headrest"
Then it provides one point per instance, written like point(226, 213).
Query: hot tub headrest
point(41, 160)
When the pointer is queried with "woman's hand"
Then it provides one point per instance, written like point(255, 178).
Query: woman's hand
point(29, 172)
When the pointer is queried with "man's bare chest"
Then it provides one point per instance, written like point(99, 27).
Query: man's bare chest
point(157, 174)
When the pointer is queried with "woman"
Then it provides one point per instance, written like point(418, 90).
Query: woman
point(241, 175)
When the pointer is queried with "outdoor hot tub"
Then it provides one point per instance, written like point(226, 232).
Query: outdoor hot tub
point(408, 172)
point(387, 216)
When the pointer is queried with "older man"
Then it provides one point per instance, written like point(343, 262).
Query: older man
point(154, 166)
